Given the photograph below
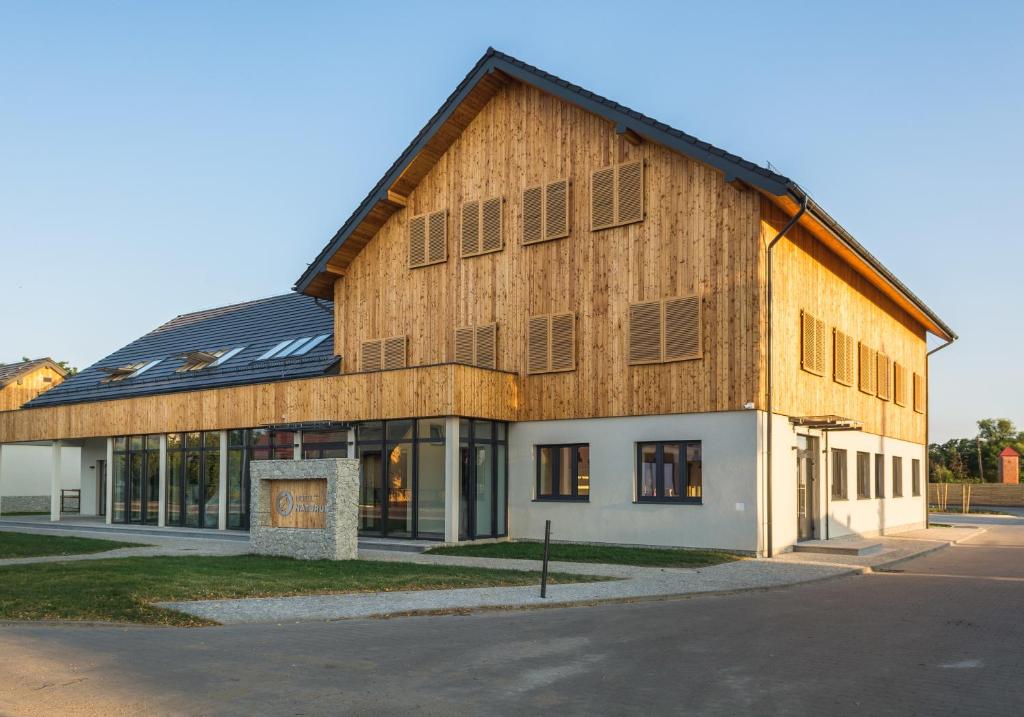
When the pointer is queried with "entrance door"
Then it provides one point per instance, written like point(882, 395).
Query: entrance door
point(467, 495)
point(371, 492)
point(806, 487)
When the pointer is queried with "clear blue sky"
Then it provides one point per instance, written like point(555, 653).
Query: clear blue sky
point(160, 158)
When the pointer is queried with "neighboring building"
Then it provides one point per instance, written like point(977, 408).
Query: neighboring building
point(550, 307)
point(1009, 466)
point(26, 469)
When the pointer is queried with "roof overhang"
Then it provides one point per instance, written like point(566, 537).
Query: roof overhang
point(827, 423)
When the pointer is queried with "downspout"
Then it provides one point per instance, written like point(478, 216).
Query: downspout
point(927, 421)
point(768, 349)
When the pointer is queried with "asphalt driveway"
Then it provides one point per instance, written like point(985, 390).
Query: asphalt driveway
point(941, 634)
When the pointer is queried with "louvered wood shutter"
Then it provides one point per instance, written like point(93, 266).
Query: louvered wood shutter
point(617, 195)
point(546, 212)
point(470, 228)
point(482, 227)
point(867, 378)
point(464, 345)
point(370, 357)
point(394, 352)
point(883, 377)
point(899, 376)
point(428, 239)
point(919, 393)
point(682, 328)
point(812, 344)
point(551, 343)
point(477, 345)
point(645, 332)
point(843, 361)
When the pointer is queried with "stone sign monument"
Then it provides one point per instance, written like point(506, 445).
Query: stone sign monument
point(305, 509)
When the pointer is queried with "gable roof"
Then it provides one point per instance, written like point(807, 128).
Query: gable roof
point(256, 326)
point(12, 371)
point(1009, 451)
point(495, 69)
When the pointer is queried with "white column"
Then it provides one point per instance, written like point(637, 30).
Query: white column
point(452, 468)
point(352, 441)
point(297, 446)
point(222, 493)
point(109, 468)
point(161, 519)
point(55, 483)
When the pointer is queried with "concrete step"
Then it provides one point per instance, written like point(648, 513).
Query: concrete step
point(838, 547)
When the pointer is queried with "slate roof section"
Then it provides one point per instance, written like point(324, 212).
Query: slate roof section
point(257, 325)
point(12, 371)
point(732, 165)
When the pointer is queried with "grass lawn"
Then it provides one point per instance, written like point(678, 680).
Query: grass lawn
point(30, 545)
point(122, 588)
point(580, 553)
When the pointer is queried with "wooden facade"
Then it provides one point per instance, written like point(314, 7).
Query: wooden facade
point(699, 236)
point(39, 377)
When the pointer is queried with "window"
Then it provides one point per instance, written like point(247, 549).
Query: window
point(563, 472)
point(325, 444)
point(915, 477)
point(897, 477)
point(546, 212)
point(843, 365)
point(838, 474)
point(665, 330)
point(428, 239)
point(617, 195)
point(867, 376)
point(477, 345)
point(267, 444)
point(920, 399)
point(863, 475)
point(383, 354)
point(551, 343)
point(883, 377)
point(482, 227)
point(812, 344)
point(198, 360)
point(120, 373)
point(879, 475)
point(899, 380)
point(669, 471)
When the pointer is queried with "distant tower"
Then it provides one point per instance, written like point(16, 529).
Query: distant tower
point(1009, 466)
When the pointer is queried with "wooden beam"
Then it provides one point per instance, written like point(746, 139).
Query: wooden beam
point(396, 198)
point(629, 135)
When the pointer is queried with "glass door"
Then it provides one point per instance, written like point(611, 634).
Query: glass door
point(371, 493)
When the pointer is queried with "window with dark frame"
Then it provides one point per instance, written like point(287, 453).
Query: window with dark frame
point(915, 477)
point(669, 471)
point(839, 474)
point(330, 443)
point(563, 472)
point(863, 475)
point(879, 475)
point(897, 477)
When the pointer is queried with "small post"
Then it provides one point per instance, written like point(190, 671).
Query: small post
point(544, 569)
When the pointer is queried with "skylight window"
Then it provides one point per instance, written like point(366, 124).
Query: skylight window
point(120, 373)
point(224, 358)
point(270, 354)
point(312, 344)
point(145, 368)
point(290, 348)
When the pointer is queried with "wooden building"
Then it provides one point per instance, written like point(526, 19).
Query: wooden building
point(555, 307)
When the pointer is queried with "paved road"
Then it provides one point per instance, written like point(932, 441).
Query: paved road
point(943, 636)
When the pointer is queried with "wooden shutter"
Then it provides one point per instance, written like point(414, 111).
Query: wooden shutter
point(470, 228)
point(843, 361)
point(370, 357)
point(481, 227)
point(867, 366)
point(645, 339)
point(464, 337)
point(899, 379)
point(546, 212)
point(538, 340)
point(883, 377)
point(477, 345)
point(812, 344)
point(920, 399)
point(428, 239)
point(682, 328)
point(665, 330)
point(617, 195)
point(394, 352)
point(551, 343)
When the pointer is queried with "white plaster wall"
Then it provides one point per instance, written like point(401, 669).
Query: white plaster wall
point(27, 469)
point(868, 517)
point(727, 518)
point(92, 452)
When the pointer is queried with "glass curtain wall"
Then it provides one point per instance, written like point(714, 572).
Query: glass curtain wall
point(193, 479)
point(325, 444)
point(136, 479)
point(483, 509)
point(238, 480)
